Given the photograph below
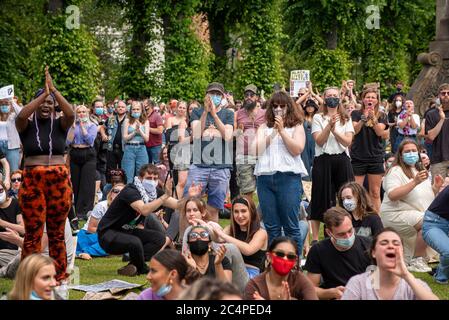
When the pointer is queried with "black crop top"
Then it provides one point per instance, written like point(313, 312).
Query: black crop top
point(29, 138)
point(257, 259)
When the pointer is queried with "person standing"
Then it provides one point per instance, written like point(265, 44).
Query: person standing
point(9, 137)
point(437, 129)
point(83, 161)
point(46, 192)
point(154, 143)
point(112, 134)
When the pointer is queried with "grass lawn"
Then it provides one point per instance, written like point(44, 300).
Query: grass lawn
point(104, 269)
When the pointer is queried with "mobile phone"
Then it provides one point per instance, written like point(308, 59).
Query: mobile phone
point(419, 165)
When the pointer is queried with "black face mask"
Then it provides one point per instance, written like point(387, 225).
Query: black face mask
point(199, 247)
point(249, 104)
point(332, 102)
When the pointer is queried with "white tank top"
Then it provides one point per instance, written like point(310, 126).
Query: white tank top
point(277, 158)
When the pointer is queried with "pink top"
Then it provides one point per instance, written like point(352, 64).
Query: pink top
point(250, 126)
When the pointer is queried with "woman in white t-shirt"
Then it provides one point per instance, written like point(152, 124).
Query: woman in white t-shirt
point(87, 244)
point(333, 132)
point(408, 193)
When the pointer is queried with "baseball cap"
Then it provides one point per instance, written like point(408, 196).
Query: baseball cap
point(215, 86)
point(251, 88)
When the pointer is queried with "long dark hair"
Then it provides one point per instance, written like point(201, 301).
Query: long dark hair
point(254, 220)
point(173, 260)
point(364, 205)
point(293, 116)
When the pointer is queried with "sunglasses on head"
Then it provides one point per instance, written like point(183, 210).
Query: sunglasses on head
point(199, 235)
point(116, 172)
point(16, 180)
point(280, 254)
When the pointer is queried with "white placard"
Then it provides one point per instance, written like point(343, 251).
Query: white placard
point(298, 80)
point(7, 92)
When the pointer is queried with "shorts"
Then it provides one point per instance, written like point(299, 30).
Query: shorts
point(362, 168)
point(215, 182)
point(246, 180)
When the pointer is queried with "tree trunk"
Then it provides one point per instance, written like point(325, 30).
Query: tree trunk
point(332, 38)
point(217, 36)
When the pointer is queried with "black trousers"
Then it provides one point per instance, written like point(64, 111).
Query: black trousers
point(329, 173)
point(153, 223)
point(113, 160)
point(83, 164)
point(141, 244)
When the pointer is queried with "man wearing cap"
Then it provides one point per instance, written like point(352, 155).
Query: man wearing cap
point(212, 128)
point(248, 119)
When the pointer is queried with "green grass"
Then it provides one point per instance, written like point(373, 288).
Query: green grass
point(104, 269)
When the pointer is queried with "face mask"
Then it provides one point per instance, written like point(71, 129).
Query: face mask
point(2, 197)
point(216, 100)
point(410, 158)
point(398, 104)
point(4, 108)
point(99, 111)
point(349, 204)
point(279, 112)
point(389, 164)
point(84, 119)
point(199, 247)
point(164, 290)
point(224, 103)
point(345, 243)
point(149, 185)
point(136, 115)
point(128, 107)
point(282, 266)
point(110, 110)
point(332, 102)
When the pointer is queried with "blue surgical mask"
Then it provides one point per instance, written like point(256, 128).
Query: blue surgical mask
point(4, 108)
point(136, 115)
point(110, 110)
point(346, 243)
point(128, 107)
point(410, 158)
point(216, 99)
point(34, 296)
point(99, 111)
point(149, 185)
point(349, 204)
point(84, 119)
point(164, 290)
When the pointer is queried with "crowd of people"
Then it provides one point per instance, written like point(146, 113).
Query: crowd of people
point(151, 180)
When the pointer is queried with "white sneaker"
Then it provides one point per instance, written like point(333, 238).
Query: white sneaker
point(423, 264)
point(416, 265)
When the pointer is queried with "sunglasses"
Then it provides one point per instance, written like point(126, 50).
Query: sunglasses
point(444, 93)
point(116, 172)
point(115, 190)
point(280, 254)
point(199, 235)
point(282, 106)
point(249, 94)
point(16, 180)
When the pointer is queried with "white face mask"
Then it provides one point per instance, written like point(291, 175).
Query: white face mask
point(398, 104)
point(2, 197)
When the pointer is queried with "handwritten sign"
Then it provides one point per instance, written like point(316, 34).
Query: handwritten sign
point(7, 92)
point(298, 80)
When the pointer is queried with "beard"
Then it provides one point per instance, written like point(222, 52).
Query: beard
point(249, 104)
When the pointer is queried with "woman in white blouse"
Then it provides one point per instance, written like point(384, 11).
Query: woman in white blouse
point(279, 143)
point(333, 132)
point(408, 193)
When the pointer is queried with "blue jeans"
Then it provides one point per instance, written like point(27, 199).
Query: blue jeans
point(279, 198)
point(12, 155)
point(435, 232)
point(153, 154)
point(134, 157)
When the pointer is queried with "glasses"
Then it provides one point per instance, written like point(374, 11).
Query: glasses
point(444, 93)
point(249, 94)
point(115, 190)
point(276, 106)
point(290, 256)
point(16, 180)
point(199, 235)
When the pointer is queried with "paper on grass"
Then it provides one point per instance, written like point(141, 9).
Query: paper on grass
point(113, 286)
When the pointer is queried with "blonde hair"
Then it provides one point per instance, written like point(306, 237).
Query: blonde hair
point(27, 272)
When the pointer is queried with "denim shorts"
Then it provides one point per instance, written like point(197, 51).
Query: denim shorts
point(214, 181)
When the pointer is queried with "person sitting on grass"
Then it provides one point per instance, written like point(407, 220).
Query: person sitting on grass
point(169, 274)
point(390, 280)
point(87, 244)
point(281, 280)
point(35, 279)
